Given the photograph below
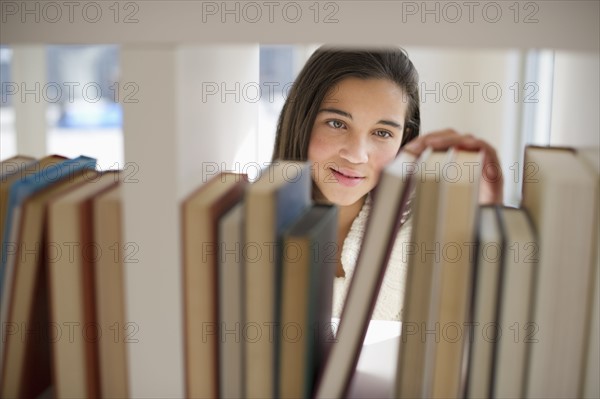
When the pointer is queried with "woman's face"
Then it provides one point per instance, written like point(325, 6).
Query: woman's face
point(357, 131)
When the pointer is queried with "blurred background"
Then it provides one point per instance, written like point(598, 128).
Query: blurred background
point(509, 97)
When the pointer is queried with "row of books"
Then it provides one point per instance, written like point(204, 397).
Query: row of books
point(259, 263)
point(61, 280)
point(499, 302)
point(503, 302)
point(258, 269)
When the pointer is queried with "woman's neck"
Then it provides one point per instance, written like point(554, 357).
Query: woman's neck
point(348, 213)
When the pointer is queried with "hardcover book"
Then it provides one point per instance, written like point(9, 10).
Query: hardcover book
point(200, 216)
point(280, 195)
point(389, 203)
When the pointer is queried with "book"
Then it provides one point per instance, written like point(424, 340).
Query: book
point(389, 203)
point(560, 194)
point(8, 242)
point(412, 378)
point(487, 277)
point(12, 165)
point(590, 383)
point(12, 175)
point(505, 270)
point(200, 213)
point(45, 174)
point(71, 287)
point(231, 300)
point(53, 168)
point(459, 191)
point(26, 356)
point(590, 157)
point(279, 196)
point(308, 269)
point(110, 292)
point(519, 268)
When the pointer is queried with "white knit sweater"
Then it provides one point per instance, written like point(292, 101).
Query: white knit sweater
point(391, 294)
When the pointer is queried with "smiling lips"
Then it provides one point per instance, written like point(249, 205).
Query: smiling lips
point(347, 177)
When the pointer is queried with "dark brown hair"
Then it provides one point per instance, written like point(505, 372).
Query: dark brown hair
point(328, 66)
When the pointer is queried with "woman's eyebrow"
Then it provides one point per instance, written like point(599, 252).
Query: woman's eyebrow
point(336, 111)
point(349, 116)
point(390, 123)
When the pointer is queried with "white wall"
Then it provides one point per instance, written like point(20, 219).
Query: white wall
point(576, 99)
point(477, 91)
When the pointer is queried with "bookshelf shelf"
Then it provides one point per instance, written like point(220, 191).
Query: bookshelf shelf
point(518, 24)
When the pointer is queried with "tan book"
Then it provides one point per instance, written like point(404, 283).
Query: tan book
point(560, 193)
point(412, 376)
point(15, 175)
point(200, 214)
point(26, 358)
point(71, 287)
point(487, 276)
point(280, 195)
point(459, 191)
point(516, 332)
point(507, 260)
point(590, 156)
point(13, 164)
point(114, 254)
point(231, 303)
point(308, 269)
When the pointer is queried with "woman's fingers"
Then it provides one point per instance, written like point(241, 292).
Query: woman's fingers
point(439, 140)
point(492, 184)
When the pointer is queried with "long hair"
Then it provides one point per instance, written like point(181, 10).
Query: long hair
point(328, 66)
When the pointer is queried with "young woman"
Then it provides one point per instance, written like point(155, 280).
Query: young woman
point(350, 112)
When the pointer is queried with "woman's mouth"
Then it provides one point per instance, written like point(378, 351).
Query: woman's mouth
point(347, 178)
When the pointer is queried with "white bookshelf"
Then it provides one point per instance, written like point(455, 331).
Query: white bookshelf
point(170, 47)
point(560, 24)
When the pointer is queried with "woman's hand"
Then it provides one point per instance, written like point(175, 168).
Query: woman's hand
point(492, 183)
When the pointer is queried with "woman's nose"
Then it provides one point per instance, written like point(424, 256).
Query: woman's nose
point(354, 149)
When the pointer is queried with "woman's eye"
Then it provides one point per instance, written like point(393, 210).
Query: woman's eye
point(335, 124)
point(383, 134)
